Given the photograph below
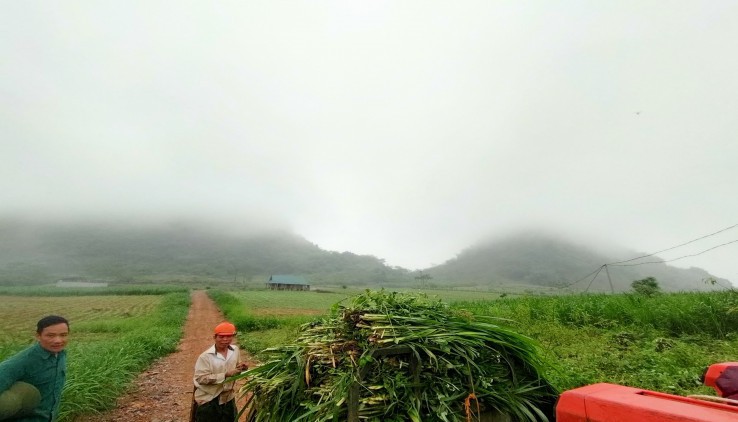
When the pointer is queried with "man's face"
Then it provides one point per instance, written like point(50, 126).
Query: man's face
point(54, 337)
point(223, 340)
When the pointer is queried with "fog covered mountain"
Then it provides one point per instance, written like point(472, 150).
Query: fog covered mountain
point(546, 260)
point(40, 253)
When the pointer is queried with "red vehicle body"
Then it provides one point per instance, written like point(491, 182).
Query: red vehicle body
point(614, 403)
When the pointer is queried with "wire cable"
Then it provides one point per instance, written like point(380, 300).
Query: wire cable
point(581, 279)
point(623, 263)
point(593, 278)
point(671, 260)
point(674, 247)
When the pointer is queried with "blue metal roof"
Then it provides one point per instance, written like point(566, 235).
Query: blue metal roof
point(287, 279)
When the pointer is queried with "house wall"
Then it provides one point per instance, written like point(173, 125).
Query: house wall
point(281, 286)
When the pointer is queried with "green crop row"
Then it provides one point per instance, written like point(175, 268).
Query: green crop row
point(101, 368)
point(117, 290)
point(107, 349)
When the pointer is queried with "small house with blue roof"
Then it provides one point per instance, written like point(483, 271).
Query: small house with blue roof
point(287, 282)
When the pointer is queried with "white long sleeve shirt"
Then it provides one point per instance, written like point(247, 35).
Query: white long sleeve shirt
point(210, 370)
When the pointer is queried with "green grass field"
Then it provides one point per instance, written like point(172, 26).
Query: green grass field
point(662, 343)
point(19, 314)
point(112, 339)
point(268, 301)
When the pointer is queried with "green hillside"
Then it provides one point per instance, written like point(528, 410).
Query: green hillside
point(33, 253)
point(540, 260)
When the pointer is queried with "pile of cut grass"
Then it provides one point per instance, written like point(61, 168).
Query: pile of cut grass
point(399, 357)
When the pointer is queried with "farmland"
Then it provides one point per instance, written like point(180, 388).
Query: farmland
point(661, 343)
point(88, 314)
point(114, 337)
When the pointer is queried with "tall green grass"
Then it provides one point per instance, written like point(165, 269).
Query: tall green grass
point(236, 313)
point(115, 351)
point(661, 343)
point(713, 313)
point(260, 331)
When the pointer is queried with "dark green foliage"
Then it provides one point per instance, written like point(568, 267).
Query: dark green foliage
point(375, 340)
point(647, 287)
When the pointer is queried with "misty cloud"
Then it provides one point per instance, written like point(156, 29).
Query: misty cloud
point(406, 130)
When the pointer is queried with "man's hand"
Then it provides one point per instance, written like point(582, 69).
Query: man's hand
point(240, 366)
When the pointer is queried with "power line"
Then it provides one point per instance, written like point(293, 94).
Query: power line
point(582, 279)
point(623, 263)
point(671, 260)
point(677, 246)
point(593, 278)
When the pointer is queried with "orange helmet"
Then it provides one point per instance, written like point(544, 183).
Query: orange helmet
point(225, 328)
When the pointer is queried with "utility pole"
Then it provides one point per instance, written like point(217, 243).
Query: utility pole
point(612, 289)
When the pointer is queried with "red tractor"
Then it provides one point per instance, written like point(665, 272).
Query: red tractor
point(616, 403)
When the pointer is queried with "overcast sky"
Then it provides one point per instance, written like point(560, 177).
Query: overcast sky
point(404, 129)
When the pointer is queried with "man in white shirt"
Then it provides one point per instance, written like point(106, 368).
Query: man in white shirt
point(214, 398)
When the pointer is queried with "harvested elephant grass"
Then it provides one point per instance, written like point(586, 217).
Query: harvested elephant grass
point(398, 357)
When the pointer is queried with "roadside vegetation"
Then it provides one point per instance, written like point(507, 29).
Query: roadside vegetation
point(660, 342)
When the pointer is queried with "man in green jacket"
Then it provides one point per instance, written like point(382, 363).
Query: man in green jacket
point(43, 365)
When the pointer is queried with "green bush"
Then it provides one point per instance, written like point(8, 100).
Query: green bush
point(647, 287)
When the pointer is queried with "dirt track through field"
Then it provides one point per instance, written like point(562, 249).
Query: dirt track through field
point(163, 393)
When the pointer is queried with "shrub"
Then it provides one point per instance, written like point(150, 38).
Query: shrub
point(647, 287)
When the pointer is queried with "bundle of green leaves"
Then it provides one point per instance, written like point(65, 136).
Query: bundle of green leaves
point(396, 357)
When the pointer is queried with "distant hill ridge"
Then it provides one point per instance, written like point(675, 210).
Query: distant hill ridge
point(42, 253)
point(545, 260)
point(31, 253)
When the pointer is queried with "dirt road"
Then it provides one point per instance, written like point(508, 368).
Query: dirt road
point(163, 393)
